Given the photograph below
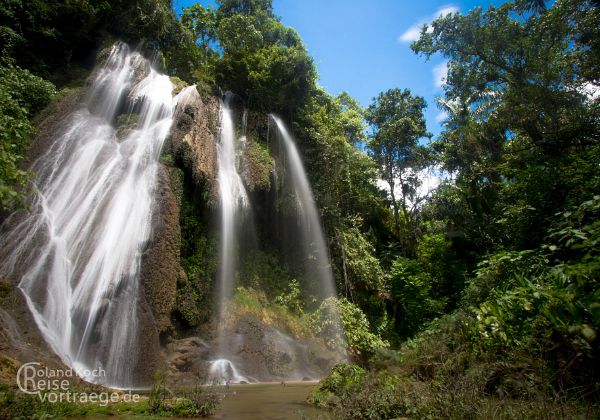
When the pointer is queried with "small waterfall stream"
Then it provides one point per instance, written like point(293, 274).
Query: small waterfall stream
point(234, 199)
point(77, 252)
point(315, 250)
point(308, 216)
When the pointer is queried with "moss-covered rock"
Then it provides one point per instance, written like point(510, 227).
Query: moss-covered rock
point(178, 84)
point(257, 165)
point(125, 123)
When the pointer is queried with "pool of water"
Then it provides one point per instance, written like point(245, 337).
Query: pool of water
point(269, 401)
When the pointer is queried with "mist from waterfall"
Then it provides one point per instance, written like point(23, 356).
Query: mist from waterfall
point(77, 251)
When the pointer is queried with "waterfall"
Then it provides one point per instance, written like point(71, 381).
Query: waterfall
point(312, 239)
point(233, 198)
point(77, 251)
point(223, 371)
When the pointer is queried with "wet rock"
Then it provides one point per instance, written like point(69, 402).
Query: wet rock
point(193, 139)
point(186, 354)
point(264, 353)
point(161, 269)
point(186, 361)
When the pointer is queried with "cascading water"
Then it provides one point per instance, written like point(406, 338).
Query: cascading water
point(78, 250)
point(224, 371)
point(234, 198)
point(309, 223)
point(309, 219)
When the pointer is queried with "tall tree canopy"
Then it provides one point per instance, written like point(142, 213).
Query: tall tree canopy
point(398, 122)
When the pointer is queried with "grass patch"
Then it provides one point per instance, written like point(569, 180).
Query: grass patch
point(248, 301)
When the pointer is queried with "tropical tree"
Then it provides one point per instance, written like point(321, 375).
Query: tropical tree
point(397, 120)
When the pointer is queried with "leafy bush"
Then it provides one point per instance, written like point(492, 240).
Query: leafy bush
point(255, 303)
point(31, 92)
point(551, 309)
point(354, 393)
point(411, 291)
point(292, 298)
point(22, 95)
point(496, 272)
point(378, 396)
point(356, 334)
point(197, 402)
point(263, 270)
point(342, 380)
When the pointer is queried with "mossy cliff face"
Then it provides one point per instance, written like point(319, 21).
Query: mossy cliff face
point(161, 269)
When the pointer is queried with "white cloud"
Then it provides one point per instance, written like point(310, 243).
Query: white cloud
point(440, 73)
point(446, 10)
point(441, 117)
point(590, 90)
point(413, 33)
point(430, 179)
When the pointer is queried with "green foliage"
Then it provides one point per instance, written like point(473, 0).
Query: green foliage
point(292, 298)
point(521, 135)
point(245, 7)
point(544, 302)
point(15, 130)
point(31, 92)
point(178, 84)
point(343, 177)
point(198, 59)
point(273, 78)
point(22, 95)
point(411, 292)
point(202, 22)
point(352, 118)
point(262, 270)
point(255, 303)
point(196, 402)
point(263, 61)
point(376, 397)
point(447, 270)
point(48, 37)
point(353, 393)
point(364, 280)
point(398, 122)
point(342, 380)
point(199, 259)
point(497, 272)
point(364, 271)
point(257, 165)
point(356, 334)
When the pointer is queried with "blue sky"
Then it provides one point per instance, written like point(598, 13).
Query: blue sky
point(363, 46)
